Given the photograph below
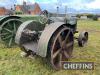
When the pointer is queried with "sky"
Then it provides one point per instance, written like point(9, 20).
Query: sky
point(77, 5)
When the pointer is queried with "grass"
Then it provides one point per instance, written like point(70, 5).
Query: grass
point(11, 63)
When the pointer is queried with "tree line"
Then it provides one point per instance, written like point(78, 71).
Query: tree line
point(89, 16)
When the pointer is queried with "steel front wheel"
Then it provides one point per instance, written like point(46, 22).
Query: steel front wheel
point(83, 39)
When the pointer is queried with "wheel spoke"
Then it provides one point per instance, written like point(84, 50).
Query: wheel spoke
point(14, 26)
point(2, 34)
point(7, 37)
point(7, 30)
point(56, 53)
point(9, 24)
point(10, 42)
point(60, 40)
point(67, 36)
point(60, 59)
point(66, 54)
point(69, 44)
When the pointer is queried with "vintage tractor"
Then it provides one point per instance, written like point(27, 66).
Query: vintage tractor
point(51, 37)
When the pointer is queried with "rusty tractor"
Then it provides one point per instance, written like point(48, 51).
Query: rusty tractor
point(50, 37)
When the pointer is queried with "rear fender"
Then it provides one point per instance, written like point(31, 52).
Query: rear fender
point(45, 37)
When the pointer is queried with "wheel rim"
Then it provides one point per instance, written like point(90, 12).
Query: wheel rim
point(86, 36)
point(43, 19)
point(62, 47)
point(8, 31)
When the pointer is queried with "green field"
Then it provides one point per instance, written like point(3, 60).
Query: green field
point(11, 63)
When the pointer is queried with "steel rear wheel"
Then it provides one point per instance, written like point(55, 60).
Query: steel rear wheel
point(60, 47)
point(8, 31)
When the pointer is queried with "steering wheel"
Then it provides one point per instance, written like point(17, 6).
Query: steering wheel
point(43, 17)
